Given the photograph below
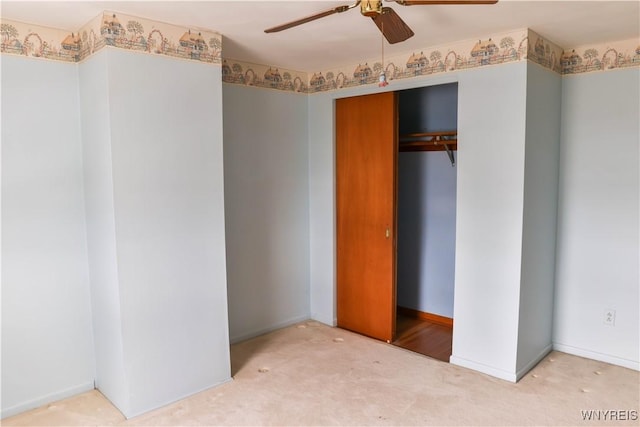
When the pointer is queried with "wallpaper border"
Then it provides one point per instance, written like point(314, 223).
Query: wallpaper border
point(157, 38)
point(107, 29)
point(601, 57)
point(496, 49)
point(265, 76)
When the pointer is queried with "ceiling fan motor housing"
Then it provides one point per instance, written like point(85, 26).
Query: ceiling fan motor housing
point(371, 8)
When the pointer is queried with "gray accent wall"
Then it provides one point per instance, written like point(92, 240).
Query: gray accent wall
point(598, 224)
point(267, 209)
point(47, 339)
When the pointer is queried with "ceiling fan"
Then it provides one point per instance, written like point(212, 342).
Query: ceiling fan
point(388, 21)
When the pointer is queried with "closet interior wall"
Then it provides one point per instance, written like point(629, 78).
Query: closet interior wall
point(427, 204)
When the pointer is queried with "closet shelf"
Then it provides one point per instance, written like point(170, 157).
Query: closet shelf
point(429, 141)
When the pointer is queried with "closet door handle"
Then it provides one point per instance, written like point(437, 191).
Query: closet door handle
point(387, 233)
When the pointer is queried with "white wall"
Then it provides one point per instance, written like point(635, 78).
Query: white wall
point(100, 219)
point(598, 221)
point(267, 209)
point(47, 347)
point(165, 143)
point(322, 221)
point(544, 90)
point(491, 155)
point(427, 205)
point(168, 191)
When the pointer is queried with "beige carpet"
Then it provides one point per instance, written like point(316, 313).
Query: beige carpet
point(311, 374)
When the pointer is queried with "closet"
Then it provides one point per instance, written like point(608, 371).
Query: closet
point(426, 216)
point(395, 215)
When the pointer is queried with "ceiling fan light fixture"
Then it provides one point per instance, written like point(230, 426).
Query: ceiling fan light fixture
point(371, 8)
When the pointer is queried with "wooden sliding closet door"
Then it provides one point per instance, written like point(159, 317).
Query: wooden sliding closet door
point(366, 159)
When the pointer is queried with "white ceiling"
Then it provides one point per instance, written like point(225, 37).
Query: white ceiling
point(345, 38)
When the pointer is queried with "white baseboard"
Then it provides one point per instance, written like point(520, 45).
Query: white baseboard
point(499, 373)
point(326, 320)
point(43, 400)
point(265, 330)
point(176, 399)
point(625, 363)
point(521, 373)
point(485, 369)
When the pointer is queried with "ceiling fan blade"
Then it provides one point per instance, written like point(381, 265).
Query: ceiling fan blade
point(427, 2)
point(392, 26)
point(291, 24)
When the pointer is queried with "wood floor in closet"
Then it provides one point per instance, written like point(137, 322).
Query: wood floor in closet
point(423, 337)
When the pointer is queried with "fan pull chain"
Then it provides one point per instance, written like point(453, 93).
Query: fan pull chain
point(382, 80)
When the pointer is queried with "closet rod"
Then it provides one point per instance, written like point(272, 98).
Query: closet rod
point(429, 141)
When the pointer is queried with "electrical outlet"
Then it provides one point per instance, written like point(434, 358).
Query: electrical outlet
point(609, 317)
